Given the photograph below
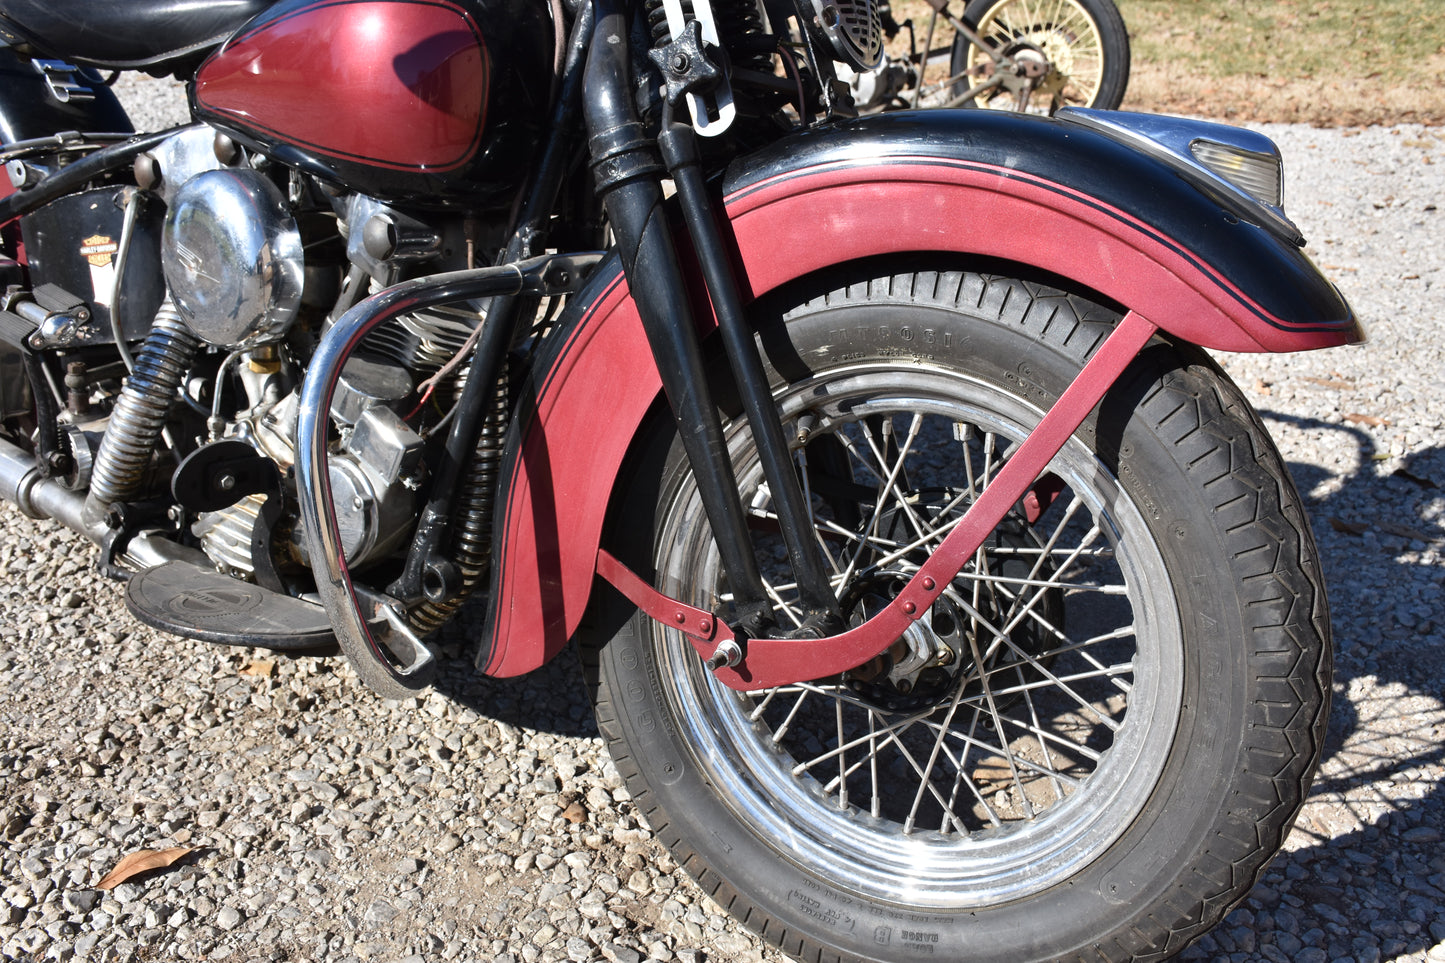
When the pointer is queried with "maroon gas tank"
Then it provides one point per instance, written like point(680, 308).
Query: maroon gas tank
point(439, 102)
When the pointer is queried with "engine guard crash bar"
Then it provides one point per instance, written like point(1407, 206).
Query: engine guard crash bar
point(773, 662)
point(354, 613)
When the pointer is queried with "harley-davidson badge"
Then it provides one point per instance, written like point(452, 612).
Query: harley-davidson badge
point(98, 249)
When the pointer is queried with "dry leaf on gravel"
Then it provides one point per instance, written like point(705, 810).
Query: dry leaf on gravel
point(1404, 531)
point(260, 667)
point(1370, 421)
point(1348, 528)
point(142, 861)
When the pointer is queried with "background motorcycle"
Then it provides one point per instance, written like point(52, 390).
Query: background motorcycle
point(938, 594)
point(1026, 55)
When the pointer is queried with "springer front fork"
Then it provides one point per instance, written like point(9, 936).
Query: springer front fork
point(750, 652)
point(629, 166)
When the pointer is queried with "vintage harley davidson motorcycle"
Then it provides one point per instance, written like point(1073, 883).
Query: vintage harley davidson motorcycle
point(939, 596)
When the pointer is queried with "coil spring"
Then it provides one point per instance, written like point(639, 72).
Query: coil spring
point(471, 546)
point(140, 412)
point(739, 24)
point(657, 21)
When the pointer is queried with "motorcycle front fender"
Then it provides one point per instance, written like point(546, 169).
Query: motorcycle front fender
point(988, 187)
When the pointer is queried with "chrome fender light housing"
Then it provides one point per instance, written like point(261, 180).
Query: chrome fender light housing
point(1241, 169)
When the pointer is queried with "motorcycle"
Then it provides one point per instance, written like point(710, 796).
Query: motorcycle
point(1033, 56)
point(937, 594)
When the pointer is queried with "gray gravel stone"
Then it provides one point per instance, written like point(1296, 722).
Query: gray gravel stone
point(81, 901)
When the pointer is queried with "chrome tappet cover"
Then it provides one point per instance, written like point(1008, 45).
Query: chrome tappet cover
point(232, 257)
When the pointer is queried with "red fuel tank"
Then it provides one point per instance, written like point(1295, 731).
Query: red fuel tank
point(433, 101)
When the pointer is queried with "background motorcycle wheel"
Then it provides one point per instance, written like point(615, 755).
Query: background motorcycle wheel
point(1083, 42)
point(1151, 644)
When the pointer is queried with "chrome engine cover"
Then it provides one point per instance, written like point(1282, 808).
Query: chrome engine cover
point(233, 258)
point(374, 477)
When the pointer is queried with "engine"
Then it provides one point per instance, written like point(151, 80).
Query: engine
point(256, 262)
point(183, 310)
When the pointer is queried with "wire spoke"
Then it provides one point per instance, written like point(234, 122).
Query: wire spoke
point(896, 472)
point(781, 732)
point(775, 593)
point(1024, 763)
point(802, 460)
point(887, 481)
point(961, 777)
point(888, 730)
point(1001, 638)
point(926, 784)
point(1054, 781)
point(1003, 704)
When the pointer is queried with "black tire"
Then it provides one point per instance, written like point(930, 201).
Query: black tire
point(1165, 696)
point(1083, 42)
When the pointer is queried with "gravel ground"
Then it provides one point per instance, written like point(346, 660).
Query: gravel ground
point(484, 821)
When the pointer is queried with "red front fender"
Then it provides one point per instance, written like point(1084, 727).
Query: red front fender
point(587, 405)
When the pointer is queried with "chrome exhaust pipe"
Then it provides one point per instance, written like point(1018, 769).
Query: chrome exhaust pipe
point(39, 497)
point(36, 496)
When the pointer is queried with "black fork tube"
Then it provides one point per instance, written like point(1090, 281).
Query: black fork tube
point(426, 573)
point(680, 150)
point(629, 172)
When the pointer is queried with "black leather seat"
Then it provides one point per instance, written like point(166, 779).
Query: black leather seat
point(155, 35)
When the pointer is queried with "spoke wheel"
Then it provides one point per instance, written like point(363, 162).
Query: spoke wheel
point(1014, 765)
point(1075, 51)
point(1044, 766)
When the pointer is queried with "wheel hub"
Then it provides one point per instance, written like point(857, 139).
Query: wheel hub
point(961, 639)
point(919, 669)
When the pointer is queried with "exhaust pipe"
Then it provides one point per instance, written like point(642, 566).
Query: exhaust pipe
point(39, 497)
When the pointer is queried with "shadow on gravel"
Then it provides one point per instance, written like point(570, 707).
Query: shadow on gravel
point(1385, 526)
point(552, 699)
point(1362, 876)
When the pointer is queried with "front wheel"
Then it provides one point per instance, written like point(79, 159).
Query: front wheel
point(1064, 53)
point(1102, 730)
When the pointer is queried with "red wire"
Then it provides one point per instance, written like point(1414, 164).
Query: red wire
point(421, 403)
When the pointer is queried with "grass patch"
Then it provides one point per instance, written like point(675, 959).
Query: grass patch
point(1291, 39)
point(1321, 61)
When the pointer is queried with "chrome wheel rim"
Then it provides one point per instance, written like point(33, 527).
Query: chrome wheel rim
point(926, 805)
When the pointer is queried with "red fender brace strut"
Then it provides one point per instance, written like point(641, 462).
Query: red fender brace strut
point(774, 662)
